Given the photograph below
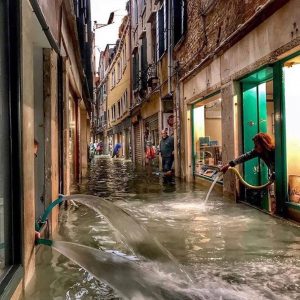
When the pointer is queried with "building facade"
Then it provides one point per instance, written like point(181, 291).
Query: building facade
point(45, 97)
point(238, 78)
point(152, 67)
point(100, 109)
point(113, 94)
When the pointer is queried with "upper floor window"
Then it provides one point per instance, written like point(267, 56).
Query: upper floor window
point(113, 78)
point(119, 71)
point(179, 19)
point(161, 29)
point(135, 71)
point(144, 63)
point(119, 109)
point(135, 12)
point(126, 100)
point(104, 89)
point(124, 55)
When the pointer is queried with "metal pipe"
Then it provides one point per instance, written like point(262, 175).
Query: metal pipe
point(170, 43)
point(41, 18)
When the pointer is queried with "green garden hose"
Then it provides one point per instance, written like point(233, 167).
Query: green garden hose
point(43, 219)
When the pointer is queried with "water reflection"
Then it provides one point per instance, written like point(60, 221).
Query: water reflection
point(234, 251)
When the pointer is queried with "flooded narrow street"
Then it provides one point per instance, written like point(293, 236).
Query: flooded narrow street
point(230, 250)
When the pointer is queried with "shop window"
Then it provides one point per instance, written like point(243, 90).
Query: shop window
point(207, 128)
point(10, 181)
point(291, 71)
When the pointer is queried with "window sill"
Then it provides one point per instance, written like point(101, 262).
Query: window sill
point(179, 43)
point(10, 281)
point(162, 56)
point(207, 178)
point(293, 205)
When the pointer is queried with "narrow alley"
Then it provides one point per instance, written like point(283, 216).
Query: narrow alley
point(150, 149)
point(230, 250)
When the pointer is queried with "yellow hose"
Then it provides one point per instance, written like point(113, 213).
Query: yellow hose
point(246, 184)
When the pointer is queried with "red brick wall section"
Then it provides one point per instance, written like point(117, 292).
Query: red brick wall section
point(209, 23)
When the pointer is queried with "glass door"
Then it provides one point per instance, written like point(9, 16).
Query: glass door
point(258, 116)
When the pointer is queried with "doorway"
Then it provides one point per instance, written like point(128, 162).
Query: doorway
point(258, 116)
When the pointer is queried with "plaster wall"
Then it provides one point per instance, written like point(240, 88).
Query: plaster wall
point(32, 37)
point(51, 134)
point(73, 68)
point(151, 107)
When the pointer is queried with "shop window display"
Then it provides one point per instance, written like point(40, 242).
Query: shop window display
point(291, 71)
point(207, 127)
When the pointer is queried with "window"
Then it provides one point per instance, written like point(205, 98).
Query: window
point(10, 196)
point(104, 89)
point(126, 101)
point(179, 19)
point(135, 70)
point(291, 71)
point(119, 109)
point(207, 128)
point(144, 63)
point(119, 71)
point(161, 30)
point(113, 78)
point(124, 56)
point(135, 12)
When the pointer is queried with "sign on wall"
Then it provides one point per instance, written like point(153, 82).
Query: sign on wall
point(168, 123)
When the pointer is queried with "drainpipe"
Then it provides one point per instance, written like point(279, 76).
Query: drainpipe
point(132, 137)
point(170, 43)
point(41, 18)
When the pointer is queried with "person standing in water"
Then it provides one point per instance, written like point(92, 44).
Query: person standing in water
point(264, 148)
point(116, 151)
point(166, 148)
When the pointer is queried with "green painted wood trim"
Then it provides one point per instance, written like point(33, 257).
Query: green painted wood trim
point(207, 97)
point(280, 140)
point(293, 205)
point(193, 139)
point(289, 57)
point(11, 281)
point(268, 77)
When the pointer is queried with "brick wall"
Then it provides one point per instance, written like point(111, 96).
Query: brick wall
point(209, 23)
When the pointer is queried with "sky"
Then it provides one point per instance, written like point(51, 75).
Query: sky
point(100, 10)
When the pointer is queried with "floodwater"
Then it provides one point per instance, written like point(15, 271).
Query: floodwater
point(230, 250)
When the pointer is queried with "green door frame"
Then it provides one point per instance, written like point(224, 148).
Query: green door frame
point(282, 199)
point(280, 150)
point(254, 94)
